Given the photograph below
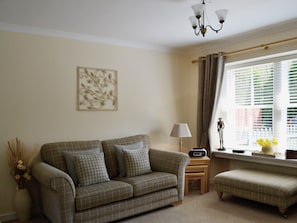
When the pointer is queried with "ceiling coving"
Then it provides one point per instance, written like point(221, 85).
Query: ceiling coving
point(157, 25)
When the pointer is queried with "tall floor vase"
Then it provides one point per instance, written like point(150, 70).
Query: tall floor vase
point(23, 205)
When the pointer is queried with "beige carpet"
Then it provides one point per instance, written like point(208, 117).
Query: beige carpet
point(208, 208)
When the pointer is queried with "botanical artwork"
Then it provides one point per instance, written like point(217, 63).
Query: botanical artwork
point(97, 89)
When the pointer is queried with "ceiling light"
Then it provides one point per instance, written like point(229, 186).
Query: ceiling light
point(198, 21)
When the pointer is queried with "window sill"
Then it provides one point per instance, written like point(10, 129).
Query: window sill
point(247, 156)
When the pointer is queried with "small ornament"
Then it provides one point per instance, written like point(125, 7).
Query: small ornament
point(220, 127)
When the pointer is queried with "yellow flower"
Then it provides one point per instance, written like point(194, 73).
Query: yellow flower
point(267, 142)
point(274, 141)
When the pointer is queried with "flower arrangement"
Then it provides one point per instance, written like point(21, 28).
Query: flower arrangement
point(19, 167)
point(267, 142)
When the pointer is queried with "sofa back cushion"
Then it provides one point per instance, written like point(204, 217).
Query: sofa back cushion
point(110, 153)
point(52, 153)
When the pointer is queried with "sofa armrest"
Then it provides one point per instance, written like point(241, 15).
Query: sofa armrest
point(48, 175)
point(170, 162)
point(57, 192)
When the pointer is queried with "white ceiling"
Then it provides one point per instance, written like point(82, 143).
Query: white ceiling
point(156, 24)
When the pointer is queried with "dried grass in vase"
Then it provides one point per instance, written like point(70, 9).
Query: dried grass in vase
point(18, 165)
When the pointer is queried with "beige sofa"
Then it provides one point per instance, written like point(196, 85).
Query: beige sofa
point(101, 197)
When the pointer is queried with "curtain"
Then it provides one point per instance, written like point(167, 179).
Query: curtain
point(211, 70)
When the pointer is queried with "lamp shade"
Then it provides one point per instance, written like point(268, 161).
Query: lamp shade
point(180, 130)
point(193, 21)
point(222, 13)
point(198, 9)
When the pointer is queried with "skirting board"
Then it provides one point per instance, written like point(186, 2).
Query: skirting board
point(8, 217)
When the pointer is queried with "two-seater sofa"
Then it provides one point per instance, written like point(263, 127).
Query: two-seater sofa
point(102, 191)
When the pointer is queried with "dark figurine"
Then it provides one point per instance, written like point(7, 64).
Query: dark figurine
point(221, 126)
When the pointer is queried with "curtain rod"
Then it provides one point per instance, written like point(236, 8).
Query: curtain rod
point(264, 46)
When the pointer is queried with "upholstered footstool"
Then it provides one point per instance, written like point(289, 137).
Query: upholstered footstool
point(259, 185)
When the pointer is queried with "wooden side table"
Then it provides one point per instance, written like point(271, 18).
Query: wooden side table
point(199, 165)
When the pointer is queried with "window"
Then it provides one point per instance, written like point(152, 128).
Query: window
point(262, 101)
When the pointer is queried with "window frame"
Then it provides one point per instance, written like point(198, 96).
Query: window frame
point(277, 114)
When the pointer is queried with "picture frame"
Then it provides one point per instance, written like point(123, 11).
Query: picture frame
point(97, 89)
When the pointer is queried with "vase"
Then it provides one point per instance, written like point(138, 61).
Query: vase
point(267, 149)
point(23, 204)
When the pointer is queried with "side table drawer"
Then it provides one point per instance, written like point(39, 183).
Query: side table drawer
point(200, 168)
point(199, 161)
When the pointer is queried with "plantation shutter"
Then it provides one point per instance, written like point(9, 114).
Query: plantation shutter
point(253, 103)
point(291, 67)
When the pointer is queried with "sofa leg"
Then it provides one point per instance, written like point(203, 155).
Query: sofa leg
point(177, 203)
point(220, 194)
point(283, 212)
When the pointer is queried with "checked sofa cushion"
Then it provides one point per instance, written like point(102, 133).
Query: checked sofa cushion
point(70, 161)
point(119, 153)
point(136, 162)
point(100, 194)
point(150, 182)
point(91, 169)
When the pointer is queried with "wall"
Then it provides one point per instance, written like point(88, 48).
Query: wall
point(38, 93)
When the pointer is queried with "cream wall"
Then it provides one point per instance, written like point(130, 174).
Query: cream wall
point(38, 92)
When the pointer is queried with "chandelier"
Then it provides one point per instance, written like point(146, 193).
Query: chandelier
point(198, 21)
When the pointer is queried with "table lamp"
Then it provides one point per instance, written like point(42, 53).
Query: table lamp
point(180, 130)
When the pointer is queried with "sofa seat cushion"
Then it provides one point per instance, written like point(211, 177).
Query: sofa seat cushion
point(102, 193)
point(150, 182)
point(263, 182)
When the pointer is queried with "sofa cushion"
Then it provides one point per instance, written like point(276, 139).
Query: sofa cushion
point(100, 194)
point(91, 169)
point(70, 161)
point(136, 162)
point(110, 154)
point(52, 153)
point(119, 153)
point(151, 182)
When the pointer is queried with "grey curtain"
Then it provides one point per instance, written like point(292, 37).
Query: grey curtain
point(211, 69)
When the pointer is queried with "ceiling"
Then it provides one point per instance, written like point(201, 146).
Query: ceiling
point(154, 24)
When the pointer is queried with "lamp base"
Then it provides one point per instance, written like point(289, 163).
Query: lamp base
point(180, 144)
point(221, 149)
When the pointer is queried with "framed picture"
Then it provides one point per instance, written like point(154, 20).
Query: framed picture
point(97, 89)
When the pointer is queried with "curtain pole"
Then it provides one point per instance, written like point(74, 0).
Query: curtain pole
point(264, 46)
